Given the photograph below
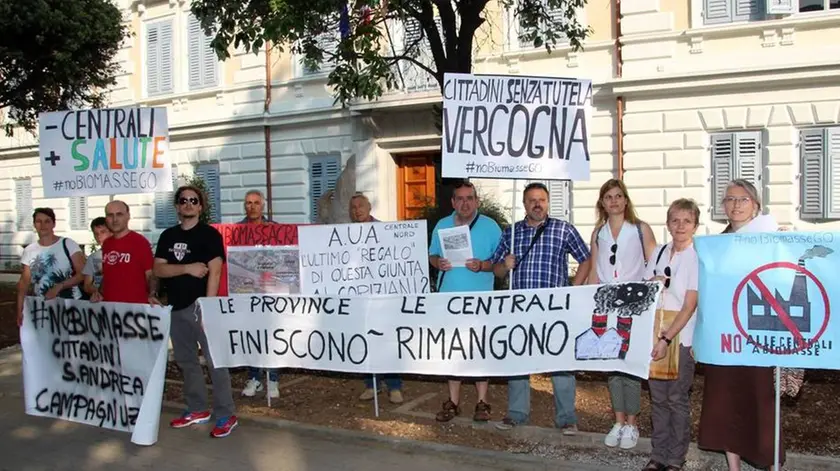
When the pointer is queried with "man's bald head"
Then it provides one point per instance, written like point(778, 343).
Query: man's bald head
point(117, 216)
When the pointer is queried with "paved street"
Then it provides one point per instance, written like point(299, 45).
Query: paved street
point(34, 443)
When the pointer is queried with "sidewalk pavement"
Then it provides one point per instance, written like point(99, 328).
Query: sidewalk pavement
point(36, 443)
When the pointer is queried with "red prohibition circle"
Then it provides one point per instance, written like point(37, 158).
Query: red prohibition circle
point(754, 275)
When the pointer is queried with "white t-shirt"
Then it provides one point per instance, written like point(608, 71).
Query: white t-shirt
point(630, 255)
point(685, 270)
point(50, 265)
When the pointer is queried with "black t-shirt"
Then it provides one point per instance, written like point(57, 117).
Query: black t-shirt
point(201, 244)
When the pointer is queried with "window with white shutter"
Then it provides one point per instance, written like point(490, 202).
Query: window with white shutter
point(735, 155)
point(328, 43)
point(559, 198)
point(78, 213)
point(159, 59)
point(413, 39)
point(210, 174)
point(323, 174)
point(521, 30)
point(733, 11)
point(203, 62)
point(165, 214)
point(819, 179)
point(23, 204)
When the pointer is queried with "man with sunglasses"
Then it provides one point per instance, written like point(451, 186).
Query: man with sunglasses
point(540, 258)
point(188, 261)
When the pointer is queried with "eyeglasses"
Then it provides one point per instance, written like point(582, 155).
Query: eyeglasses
point(613, 249)
point(192, 201)
point(667, 277)
point(739, 201)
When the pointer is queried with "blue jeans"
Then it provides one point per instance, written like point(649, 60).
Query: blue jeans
point(392, 382)
point(257, 373)
point(519, 399)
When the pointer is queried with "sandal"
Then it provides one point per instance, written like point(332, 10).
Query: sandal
point(672, 468)
point(448, 411)
point(482, 412)
point(654, 466)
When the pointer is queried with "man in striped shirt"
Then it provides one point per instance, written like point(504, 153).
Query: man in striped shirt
point(540, 260)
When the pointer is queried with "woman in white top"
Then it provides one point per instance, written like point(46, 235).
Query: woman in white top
point(52, 266)
point(620, 245)
point(677, 266)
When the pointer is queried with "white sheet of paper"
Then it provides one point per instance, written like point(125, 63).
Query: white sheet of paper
point(761, 223)
point(456, 245)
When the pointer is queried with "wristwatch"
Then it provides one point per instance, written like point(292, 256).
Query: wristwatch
point(666, 339)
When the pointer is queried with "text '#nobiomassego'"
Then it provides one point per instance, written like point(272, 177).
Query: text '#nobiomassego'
point(109, 181)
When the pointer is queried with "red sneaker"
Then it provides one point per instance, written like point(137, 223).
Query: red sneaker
point(224, 425)
point(189, 418)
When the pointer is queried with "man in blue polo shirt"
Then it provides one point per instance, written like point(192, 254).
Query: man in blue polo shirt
point(476, 275)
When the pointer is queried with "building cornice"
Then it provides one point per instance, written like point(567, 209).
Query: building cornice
point(809, 74)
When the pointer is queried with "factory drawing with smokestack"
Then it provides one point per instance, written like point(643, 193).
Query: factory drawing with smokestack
point(761, 315)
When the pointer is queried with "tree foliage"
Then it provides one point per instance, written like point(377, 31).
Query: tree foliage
point(364, 59)
point(56, 54)
point(487, 205)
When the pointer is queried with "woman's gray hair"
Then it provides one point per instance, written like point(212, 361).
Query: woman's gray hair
point(751, 190)
point(747, 186)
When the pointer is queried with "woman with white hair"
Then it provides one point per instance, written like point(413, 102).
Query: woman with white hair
point(738, 415)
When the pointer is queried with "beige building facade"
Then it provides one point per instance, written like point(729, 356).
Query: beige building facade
point(688, 94)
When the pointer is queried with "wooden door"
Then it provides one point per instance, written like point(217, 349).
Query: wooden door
point(415, 184)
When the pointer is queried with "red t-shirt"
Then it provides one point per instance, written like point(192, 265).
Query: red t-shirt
point(124, 265)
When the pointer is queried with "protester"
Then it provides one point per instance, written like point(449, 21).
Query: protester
point(188, 260)
point(677, 266)
point(126, 261)
point(360, 212)
point(542, 246)
point(621, 244)
point(52, 266)
point(738, 413)
point(360, 208)
point(93, 265)
point(254, 204)
point(475, 275)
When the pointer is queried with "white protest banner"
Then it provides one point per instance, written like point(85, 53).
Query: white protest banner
point(514, 126)
point(366, 258)
point(503, 333)
point(104, 152)
point(100, 364)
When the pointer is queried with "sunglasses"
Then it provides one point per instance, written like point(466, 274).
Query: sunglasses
point(192, 201)
point(613, 249)
point(667, 277)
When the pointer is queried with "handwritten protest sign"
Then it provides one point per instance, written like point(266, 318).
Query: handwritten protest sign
point(460, 334)
point(274, 270)
point(497, 126)
point(105, 152)
point(773, 293)
point(235, 235)
point(365, 258)
point(101, 364)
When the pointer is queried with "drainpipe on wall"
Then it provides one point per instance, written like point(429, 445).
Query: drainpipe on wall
point(267, 130)
point(619, 100)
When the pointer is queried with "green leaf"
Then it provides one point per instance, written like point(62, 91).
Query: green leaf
point(55, 55)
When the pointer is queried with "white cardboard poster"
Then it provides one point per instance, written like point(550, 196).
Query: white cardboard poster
point(101, 364)
point(504, 333)
point(363, 259)
point(105, 152)
point(515, 126)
